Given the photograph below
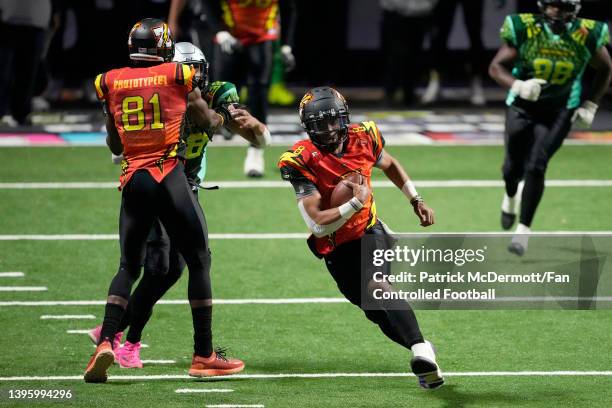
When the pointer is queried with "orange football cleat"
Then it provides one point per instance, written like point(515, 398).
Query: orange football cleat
point(216, 364)
point(101, 360)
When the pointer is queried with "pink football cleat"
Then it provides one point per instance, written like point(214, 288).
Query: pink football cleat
point(94, 335)
point(128, 356)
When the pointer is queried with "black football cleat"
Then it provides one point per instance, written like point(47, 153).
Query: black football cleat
point(427, 371)
point(507, 220)
point(425, 367)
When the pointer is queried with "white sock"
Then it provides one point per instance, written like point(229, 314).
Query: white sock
point(522, 229)
point(521, 235)
point(511, 205)
point(423, 350)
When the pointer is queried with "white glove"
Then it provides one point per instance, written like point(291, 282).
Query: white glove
point(584, 115)
point(529, 90)
point(288, 58)
point(116, 159)
point(226, 41)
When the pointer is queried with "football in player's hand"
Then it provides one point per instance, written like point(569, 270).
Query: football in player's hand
point(343, 193)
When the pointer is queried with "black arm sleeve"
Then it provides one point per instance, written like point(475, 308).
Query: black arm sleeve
point(302, 186)
point(288, 13)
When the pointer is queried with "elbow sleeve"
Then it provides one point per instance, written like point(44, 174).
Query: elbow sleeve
point(319, 230)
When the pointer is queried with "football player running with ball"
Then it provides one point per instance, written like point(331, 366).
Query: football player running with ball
point(335, 150)
point(548, 54)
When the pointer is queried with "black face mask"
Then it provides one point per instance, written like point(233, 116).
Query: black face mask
point(567, 14)
point(328, 132)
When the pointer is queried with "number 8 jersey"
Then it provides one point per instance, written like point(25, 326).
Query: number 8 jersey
point(558, 59)
point(148, 105)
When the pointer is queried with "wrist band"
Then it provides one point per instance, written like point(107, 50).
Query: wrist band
point(263, 139)
point(409, 190)
point(222, 119)
point(417, 199)
point(349, 208)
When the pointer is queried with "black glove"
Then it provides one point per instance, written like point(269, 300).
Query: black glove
point(225, 114)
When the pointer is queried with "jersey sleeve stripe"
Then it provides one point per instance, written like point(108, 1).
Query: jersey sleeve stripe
point(178, 74)
point(289, 158)
point(188, 73)
point(374, 133)
point(100, 85)
point(604, 37)
point(509, 32)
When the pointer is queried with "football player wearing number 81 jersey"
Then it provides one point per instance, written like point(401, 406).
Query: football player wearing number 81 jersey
point(164, 264)
point(548, 54)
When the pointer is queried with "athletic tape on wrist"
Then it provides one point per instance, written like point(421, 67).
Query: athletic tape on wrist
point(349, 208)
point(263, 139)
point(409, 190)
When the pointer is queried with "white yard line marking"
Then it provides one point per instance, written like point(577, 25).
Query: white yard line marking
point(286, 301)
point(158, 361)
point(231, 184)
point(23, 288)
point(115, 237)
point(12, 274)
point(85, 331)
point(235, 406)
point(67, 317)
point(178, 302)
point(197, 390)
point(266, 236)
point(320, 375)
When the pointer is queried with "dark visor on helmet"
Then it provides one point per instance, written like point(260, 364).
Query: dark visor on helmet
point(563, 6)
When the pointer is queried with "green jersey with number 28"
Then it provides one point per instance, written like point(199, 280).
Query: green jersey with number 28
point(196, 138)
point(558, 59)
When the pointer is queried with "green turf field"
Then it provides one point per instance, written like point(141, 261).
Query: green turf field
point(484, 352)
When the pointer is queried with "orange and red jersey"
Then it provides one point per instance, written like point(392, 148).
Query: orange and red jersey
point(148, 106)
point(251, 21)
point(325, 170)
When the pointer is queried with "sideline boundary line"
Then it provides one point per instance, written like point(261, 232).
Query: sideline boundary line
point(286, 301)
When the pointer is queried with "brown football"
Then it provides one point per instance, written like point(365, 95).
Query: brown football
point(343, 193)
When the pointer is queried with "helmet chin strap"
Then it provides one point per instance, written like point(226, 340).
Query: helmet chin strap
point(558, 26)
point(330, 147)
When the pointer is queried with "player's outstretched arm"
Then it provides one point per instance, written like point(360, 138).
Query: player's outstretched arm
point(324, 222)
point(247, 126)
point(396, 173)
point(602, 64)
point(201, 114)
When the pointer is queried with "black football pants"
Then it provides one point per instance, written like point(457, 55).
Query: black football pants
point(531, 139)
point(251, 64)
point(444, 15)
point(173, 203)
point(397, 322)
point(163, 267)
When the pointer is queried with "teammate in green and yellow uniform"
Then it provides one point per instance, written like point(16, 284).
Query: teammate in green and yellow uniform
point(548, 54)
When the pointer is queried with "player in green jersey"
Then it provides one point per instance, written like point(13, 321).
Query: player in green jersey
point(548, 54)
point(163, 264)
